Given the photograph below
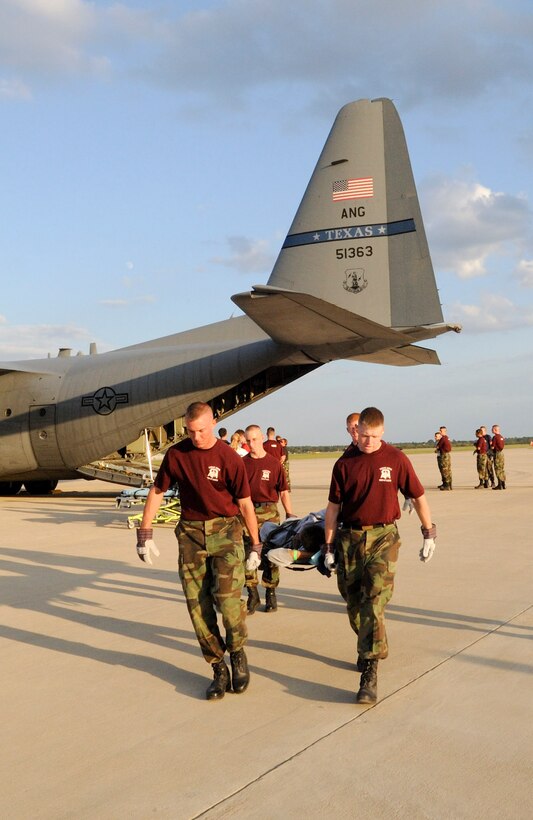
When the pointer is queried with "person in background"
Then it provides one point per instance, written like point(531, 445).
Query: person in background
point(497, 444)
point(480, 450)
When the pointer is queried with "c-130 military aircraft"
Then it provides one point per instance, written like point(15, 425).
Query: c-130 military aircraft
point(353, 280)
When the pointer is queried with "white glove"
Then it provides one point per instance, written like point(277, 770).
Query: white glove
point(329, 561)
point(146, 545)
point(428, 548)
point(408, 505)
point(253, 561)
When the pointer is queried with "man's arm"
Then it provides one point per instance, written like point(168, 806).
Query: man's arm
point(330, 523)
point(422, 510)
point(248, 513)
point(153, 502)
point(285, 498)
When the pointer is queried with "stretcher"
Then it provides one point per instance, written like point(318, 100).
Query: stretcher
point(129, 498)
point(167, 514)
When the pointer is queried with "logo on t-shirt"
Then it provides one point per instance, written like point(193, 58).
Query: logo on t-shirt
point(212, 473)
point(265, 475)
point(385, 474)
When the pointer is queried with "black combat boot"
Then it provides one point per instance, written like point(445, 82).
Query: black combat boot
point(240, 675)
point(359, 664)
point(221, 682)
point(486, 484)
point(368, 686)
point(479, 486)
point(498, 485)
point(503, 485)
point(270, 601)
point(253, 600)
point(445, 487)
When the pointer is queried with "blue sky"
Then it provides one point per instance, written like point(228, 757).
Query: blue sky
point(152, 156)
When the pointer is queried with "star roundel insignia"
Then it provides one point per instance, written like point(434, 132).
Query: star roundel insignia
point(104, 400)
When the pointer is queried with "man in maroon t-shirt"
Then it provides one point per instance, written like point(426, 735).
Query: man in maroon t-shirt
point(444, 446)
point(363, 499)
point(497, 444)
point(351, 427)
point(268, 485)
point(214, 493)
point(272, 445)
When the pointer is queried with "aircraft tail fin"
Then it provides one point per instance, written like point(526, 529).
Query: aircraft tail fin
point(358, 240)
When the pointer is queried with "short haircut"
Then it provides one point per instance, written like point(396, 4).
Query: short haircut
point(222, 431)
point(271, 430)
point(311, 538)
point(353, 417)
point(197, 409)
point(252, 427)
point(372, 417)
point(442, 427)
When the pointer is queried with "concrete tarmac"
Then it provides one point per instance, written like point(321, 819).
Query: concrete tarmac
point(103, 710)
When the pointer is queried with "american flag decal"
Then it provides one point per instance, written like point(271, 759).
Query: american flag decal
point(362, 188)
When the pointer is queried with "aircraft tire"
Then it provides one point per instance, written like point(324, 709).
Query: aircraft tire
point(10, 487)
point(43, 487)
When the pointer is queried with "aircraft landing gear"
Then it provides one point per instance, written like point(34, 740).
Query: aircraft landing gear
point(10, 487)
point(43, 487)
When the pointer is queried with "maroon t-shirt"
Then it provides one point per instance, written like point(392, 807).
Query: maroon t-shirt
point(498, 442)
point(444, 445)
point(481, 445)
point(273, 447)
point(366, 485)
point(209, 481)
point(266, 477)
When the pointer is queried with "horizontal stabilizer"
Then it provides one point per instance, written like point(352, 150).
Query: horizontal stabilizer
point(299, 319)
point(401, 356)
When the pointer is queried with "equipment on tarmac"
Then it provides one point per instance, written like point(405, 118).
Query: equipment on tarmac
point(168, 513)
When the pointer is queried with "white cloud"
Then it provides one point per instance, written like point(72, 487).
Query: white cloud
point(524, 273)
point(37, 341)
point(43, 38)
point(226, 51)
point(14, 89)
point(467, 223)
point(246, 256)
point(493, 313)
point(122, 303)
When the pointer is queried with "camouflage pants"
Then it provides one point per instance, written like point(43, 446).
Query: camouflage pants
point(490, 467)
point(270, 576)
point(439, 465)
point(446, 468)
point(499, 465)
point(287, 474)
point(482, 466)
point(211, 568)
point(366, 565)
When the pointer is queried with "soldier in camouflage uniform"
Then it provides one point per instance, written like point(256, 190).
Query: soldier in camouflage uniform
point(214, 496)
point(490, 455)
point(497, 444)
point(445, 449)
point(268, 485)
point(480, 449)
point(363, 499)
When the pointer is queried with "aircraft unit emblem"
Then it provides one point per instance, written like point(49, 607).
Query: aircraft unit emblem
point(355, 280)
